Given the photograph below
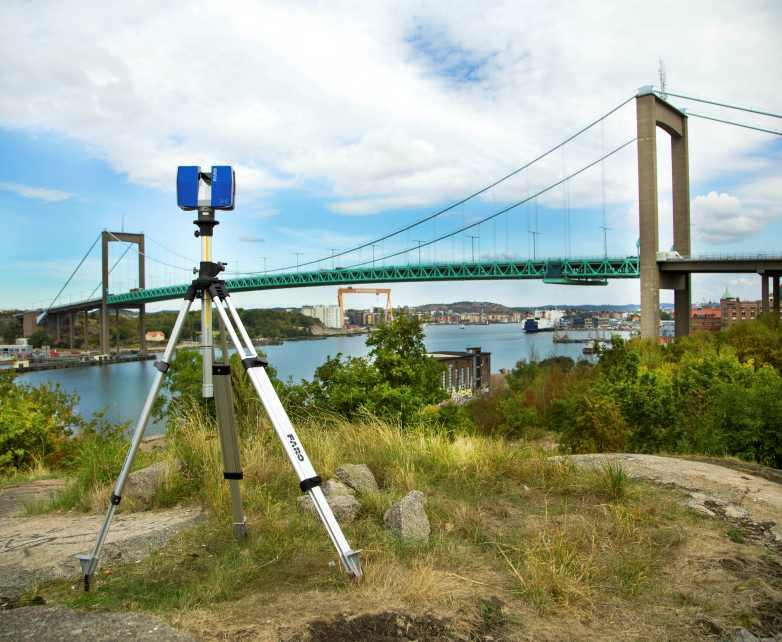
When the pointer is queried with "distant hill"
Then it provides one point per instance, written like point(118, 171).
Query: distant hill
point(466, 306)
point(489, 307)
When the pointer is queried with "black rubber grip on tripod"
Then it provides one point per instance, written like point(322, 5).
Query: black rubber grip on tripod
point(254, 362)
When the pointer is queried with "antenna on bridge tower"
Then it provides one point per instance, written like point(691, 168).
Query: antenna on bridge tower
point(661, 74)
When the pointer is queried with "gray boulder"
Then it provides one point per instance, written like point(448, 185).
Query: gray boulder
point(333, 487)
point(142, 484)
point(407, 518)
point(358, 477)
point(345, 507)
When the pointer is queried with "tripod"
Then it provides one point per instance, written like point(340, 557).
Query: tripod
point(217, 383)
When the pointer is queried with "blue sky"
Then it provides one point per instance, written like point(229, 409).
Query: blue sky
point(347, 123)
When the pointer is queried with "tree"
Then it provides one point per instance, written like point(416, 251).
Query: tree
point(9, 329)
point(396, 381)
point(40, 338)
point(35, 423)
point(399, 354)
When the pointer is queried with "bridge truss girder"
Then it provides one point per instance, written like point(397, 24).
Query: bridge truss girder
point(581, 271)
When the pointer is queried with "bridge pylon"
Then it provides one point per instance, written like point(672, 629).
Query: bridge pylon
point(653, 112)
point(125, 237)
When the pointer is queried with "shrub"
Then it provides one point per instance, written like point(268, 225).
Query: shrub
point(35, 423)
point(593, 423)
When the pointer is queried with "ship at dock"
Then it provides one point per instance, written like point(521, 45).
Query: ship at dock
point(543, 321)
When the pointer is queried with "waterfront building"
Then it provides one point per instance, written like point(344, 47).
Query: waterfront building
point(466, 374)
point(329, 315)
point(19, 348)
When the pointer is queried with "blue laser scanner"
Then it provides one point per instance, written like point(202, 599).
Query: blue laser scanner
point(214, 190)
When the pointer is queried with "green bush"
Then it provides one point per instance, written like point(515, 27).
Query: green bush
point(35, 423)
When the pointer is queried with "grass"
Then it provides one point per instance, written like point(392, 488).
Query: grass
point(507, 521)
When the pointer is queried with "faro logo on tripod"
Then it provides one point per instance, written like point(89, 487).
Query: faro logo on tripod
point(295, 448)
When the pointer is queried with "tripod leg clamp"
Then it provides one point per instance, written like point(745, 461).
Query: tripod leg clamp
point(254, 362)
point(309, 483)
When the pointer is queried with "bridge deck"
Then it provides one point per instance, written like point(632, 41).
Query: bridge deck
point(756, 264)
point(576, 271)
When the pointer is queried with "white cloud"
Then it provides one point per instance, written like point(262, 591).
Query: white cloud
point(386, 105)
point(361, 206)
point(723, 218)
point(38, 193)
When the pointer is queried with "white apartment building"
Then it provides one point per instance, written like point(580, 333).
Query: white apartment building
point(328, 315)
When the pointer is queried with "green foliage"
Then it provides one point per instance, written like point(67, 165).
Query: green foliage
point(534, 391)
point(713, 393)
point(9, 327)
point(35, 423)
point(717, 394)
point(40, 338)
point(96, 455)
point(276, 324)
point(183, 387)
point(396, 381)
point(592, 423)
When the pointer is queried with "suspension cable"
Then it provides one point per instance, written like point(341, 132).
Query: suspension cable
point(460, 202)
point(718, 104)
point(147, 256)
point(76, 269)
point(116, 263)
point(506, 209)
point(170, 251)
point(735, 124)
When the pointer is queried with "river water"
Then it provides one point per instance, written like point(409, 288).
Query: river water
point(120, 389)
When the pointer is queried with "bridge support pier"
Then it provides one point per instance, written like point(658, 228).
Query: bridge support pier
point(57, 334)
point(775, 290)
point(652, 112)
point(116, 329)
point(70, 330)
point(764, 293)
point(85, 329)
point(142, 332)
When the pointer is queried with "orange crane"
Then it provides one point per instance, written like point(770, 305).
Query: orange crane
point(350, 290)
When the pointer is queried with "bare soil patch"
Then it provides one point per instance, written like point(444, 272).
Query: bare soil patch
point(14, 499)
point(40, 548)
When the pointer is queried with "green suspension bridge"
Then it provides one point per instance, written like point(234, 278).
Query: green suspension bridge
point(671, 270)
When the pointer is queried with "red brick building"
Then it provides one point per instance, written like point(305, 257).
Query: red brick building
point(707, 319)
point(734, 310)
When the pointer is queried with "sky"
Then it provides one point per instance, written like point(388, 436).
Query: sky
point(346, 121)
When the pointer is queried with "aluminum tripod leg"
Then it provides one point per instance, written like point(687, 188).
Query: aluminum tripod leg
point(90, 562)
point(229, 444)
point(309, 480)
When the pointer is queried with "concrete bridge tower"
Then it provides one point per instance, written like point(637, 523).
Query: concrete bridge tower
point(653, 112)
point(106, 238)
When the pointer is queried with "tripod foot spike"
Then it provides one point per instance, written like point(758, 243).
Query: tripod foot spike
point(86, 562)
point(352, 564)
